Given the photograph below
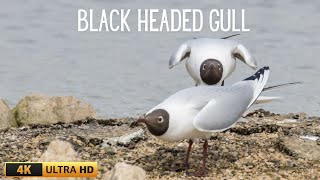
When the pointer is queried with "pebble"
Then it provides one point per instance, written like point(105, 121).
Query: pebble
point(80, 143)
point(271, 164)
point(110, 150)
point(182, 145)
point(148, 167)
point(87, 155)
point(87, 148)
point(271, 150)
point(38, 153)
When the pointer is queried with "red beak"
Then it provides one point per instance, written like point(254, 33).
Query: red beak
point(142, 119)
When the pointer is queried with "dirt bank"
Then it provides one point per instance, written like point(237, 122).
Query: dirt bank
point(264, 145)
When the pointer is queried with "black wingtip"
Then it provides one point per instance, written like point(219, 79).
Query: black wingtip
point(257, 74)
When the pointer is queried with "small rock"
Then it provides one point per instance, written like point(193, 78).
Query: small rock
point(127, 140)
point(215, 156)
point(225, 150)
point(301, 148)
point(59, 151)
point(6, 117)
point(38, 153)
point(80, 143)
point(303, 115)
point(288, 121)
point(66, 125)
point(42, 109)
point(271, 150)
point(283, 173)
point(271, 164)
point(309, 137)
point(84, 127)
point(191, 170)
point(296, 116)
point(109, 150)
point(87, 155)
point(181, 145)
point(148, 167)
point(95, 141)
point(168, 156)
point(123, 171)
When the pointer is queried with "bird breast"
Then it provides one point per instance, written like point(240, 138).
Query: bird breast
point(199, 55)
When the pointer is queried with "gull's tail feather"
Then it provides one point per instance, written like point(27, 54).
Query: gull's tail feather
point(265, 99)
point(279, 85)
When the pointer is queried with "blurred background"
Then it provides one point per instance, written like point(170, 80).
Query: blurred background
point(126, 73)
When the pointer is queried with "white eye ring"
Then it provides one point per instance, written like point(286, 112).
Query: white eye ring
point(204, 66)
point(160, 119)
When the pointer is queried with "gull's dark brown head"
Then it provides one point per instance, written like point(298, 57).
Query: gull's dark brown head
point(211, 71)
point(157, 121)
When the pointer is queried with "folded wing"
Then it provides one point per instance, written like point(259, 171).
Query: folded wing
point(223, 111)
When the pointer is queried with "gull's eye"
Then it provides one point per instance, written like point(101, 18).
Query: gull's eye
point(160, 119)
point(204, 67)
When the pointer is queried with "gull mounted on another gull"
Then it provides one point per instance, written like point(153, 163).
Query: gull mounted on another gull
point(199, 111)
point(210, 61)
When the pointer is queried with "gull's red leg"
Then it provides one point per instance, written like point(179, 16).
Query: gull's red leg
point(186, 161)
point(185, 165)
point(202, 169)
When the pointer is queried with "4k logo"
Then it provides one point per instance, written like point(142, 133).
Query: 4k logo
point(24, 169)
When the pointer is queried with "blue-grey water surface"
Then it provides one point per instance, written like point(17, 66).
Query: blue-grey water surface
point(126, 73)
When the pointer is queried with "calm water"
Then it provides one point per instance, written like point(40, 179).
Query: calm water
point(126, 73)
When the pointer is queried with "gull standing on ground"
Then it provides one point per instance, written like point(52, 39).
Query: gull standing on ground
point(199, 111)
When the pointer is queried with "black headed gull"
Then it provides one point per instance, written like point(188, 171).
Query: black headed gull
point(199, 111)
point(211, 61)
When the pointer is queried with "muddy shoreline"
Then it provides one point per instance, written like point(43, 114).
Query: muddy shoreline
point(262, 145)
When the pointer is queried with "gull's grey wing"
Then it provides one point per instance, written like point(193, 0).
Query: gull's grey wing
point(180, 54)
point(222, 112)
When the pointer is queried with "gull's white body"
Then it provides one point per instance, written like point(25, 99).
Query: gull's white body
point(198, 111)
point(183, 110)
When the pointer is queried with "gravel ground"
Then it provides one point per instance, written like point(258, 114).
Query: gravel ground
point(261, 146)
